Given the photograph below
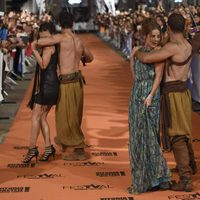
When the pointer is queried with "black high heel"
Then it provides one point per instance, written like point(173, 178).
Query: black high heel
point(49, 151)
point(32, 152)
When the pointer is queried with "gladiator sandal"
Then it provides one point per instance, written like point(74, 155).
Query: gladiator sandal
point(32, 152)
point(49, 151)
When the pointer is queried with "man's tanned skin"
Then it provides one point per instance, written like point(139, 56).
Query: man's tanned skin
point(178, 49)
point(71, 49)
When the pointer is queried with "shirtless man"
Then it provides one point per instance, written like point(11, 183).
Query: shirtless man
point(176, 103)
point(69, 108)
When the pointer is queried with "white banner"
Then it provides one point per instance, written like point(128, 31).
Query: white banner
point(100, 6)
point(41, 5)
point(111, 6)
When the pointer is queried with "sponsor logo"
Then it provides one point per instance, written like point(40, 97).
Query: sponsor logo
point(194, 196)
point(14, 189)
point(21, 147)
point(41, 176)
point(87, 187)
point(117, 198)
point(84, 164)
point(25, 165)
point(107, 174)
point(196, 140)
point(104, 153)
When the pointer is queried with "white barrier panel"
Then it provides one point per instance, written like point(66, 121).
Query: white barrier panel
point(1, 71)
point(195, 85)
point(100, 6)
point(85, 26)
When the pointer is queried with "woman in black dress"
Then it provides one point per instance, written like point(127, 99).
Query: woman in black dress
point(44, 95)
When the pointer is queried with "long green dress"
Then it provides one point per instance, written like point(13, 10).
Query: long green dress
point(148, 166)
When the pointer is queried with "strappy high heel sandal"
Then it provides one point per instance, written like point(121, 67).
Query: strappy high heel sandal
point(49, 151)
point(32, 152)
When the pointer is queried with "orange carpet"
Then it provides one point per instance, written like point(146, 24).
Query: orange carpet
point(106, 175)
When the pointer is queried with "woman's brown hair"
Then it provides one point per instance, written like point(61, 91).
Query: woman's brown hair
point(148, 26)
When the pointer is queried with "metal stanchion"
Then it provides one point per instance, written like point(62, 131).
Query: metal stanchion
point(2, 91)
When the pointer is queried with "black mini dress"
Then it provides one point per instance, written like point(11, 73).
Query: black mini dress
point(46, 84)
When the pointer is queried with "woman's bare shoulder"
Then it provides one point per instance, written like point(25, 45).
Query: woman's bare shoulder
point(49, 49)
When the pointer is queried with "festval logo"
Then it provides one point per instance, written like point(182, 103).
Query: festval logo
point(21, 165)
point(194, 196)
point(84, 164)
point(110, 174)
point(87, 187)
point(195, 140)
point(21, 147)
point(104, 153)
point(41, 176)
point(117, 198)
point(14, 189)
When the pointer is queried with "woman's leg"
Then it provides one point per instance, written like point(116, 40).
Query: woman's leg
point(45, 126)
point(35, 129)
point(49, 149)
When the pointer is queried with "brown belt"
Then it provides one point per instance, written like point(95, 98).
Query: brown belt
point(72, 78)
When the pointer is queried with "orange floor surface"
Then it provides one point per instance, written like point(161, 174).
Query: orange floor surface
point(105, 124)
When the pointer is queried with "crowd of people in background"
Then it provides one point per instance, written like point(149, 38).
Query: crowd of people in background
point(17, 31)
point(124, 29)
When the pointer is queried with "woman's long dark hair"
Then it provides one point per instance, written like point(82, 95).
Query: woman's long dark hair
point(47, 26)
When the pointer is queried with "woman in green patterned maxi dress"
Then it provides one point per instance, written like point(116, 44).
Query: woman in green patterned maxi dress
point(149, 168)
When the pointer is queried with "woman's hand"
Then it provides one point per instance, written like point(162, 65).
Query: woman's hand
point(134, 50)
point(148, 100)
point(34, 45)
point(157, 47)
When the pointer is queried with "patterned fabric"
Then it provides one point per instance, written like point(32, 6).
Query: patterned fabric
point(148, 166)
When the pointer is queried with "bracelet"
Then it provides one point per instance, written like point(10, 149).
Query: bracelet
point(150, 96)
